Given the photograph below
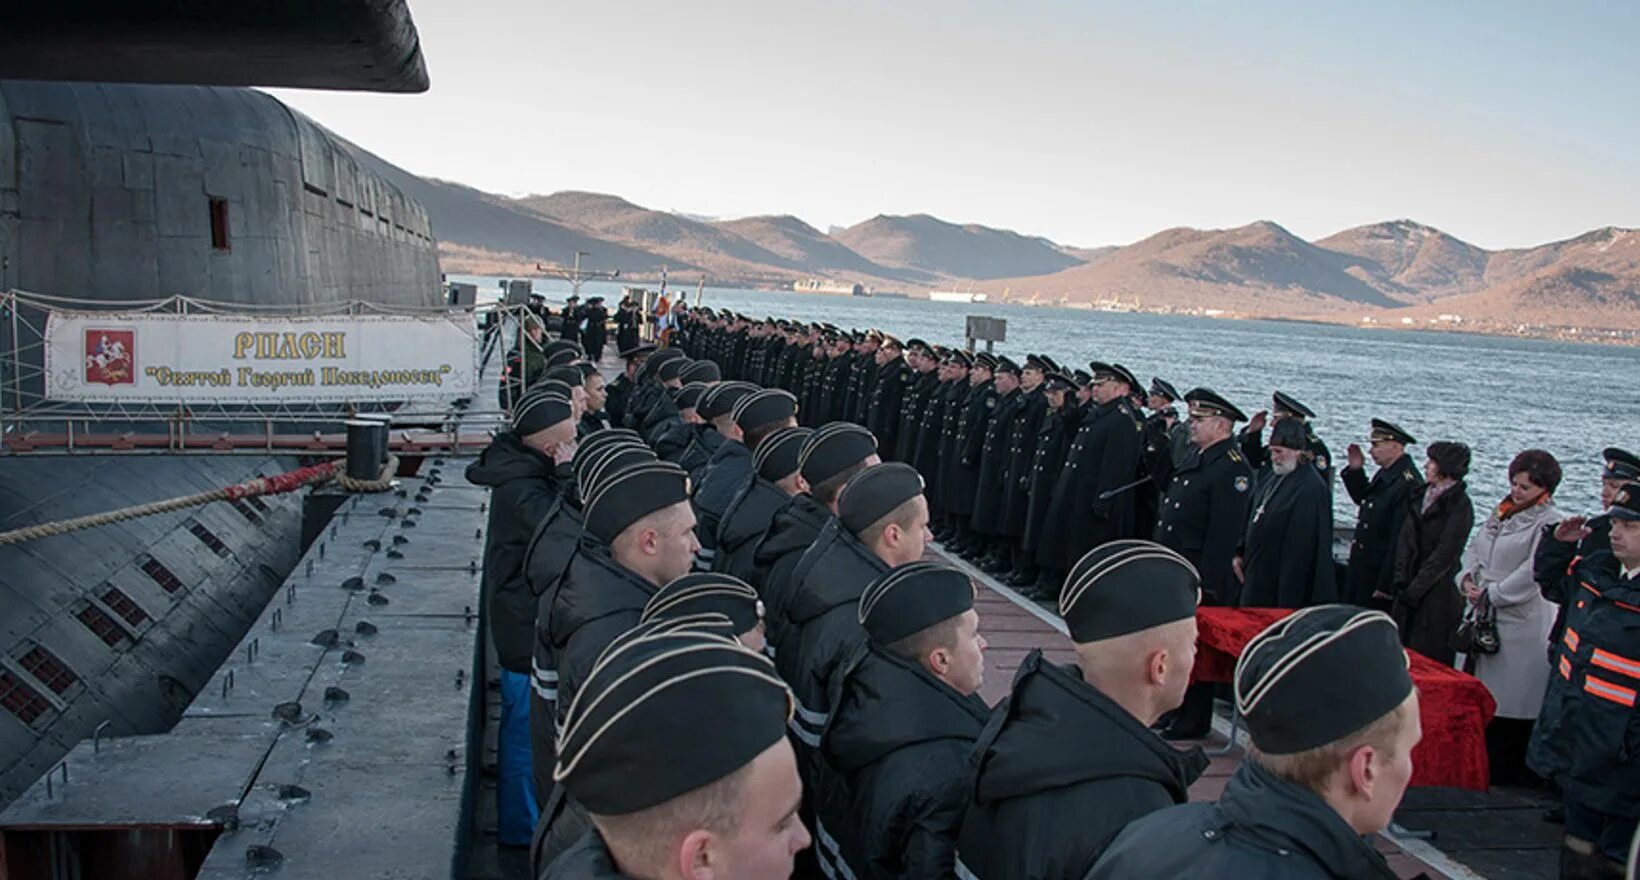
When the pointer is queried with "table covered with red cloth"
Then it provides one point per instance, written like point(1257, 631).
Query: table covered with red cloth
point(1455, 707)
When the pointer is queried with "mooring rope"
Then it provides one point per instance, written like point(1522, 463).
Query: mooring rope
point(274, 485)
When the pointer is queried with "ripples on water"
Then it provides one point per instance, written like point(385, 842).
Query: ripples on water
point(1498, 394)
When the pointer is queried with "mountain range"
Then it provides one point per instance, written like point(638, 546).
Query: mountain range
point(1383, 272)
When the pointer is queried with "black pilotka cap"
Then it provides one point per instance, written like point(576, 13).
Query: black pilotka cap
point(1125, 587)
point(663, 713)
point(1285, 402)
point(607, 459)
point(1290, 434)
point(1620, 464)
point(763, 407)
point(912, 598)
point(1102, 370)
point(690, 394)
point(1207, 402)
point(637, 351)
point(658, 360)
point(701, 371)
point(1162, 388)
point(833, 448)
point(720, 400)
point(706, 593)
point(672, 368)
point(620, 498)
point(775, 458)
point(539, 411)
point(560, 358)
point(1382, 430)
point(553, 386)
point(875, 492)
point(569, 374)
point(558, 345)
point(1626, 504)
point(1319, 675)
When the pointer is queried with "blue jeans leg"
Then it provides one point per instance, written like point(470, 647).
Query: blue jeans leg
point(516, 807)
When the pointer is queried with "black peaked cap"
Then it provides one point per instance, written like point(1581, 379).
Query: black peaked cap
point(1382, 430)
point(912, 598)
point(1005, 364)
point(1319, 675)
point(833, 448)
point(1206, 401)
point(985, 359)
point(666, 711)
point(619, 499)
point(1162, 388)
point(1286, 402)
point(1125, 587)
point(1620, 464)
point(540, 411)
point(776, 457)
point(706, 593)
point(763, 407)
point(701, 371)
point(1083, 378)
point(637, 351)
point(721, 398)
point(1626, 504)
point(873, 493)
point(1102, 370)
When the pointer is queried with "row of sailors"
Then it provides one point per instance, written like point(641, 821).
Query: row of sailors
point(674, 746)
point(780, 527)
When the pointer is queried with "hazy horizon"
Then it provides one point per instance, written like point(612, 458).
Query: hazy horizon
point(1089, 124)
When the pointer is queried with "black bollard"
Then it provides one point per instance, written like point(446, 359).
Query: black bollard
point(365, 440)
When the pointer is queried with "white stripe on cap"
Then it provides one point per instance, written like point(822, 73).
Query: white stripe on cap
point(601, 489)
point(879, 588)
point(772, 443)
point(532, 401)
point(1133, 550)
point(577, 717)
point(825, 432)
point(764, 394)
point(729, 586)
point(1246, 703)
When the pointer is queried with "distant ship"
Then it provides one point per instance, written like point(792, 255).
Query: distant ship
point(1115, 304)
point(957, 296)
point(832, 288)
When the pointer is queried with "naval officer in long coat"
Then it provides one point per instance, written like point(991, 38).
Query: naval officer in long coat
point(1383, 501)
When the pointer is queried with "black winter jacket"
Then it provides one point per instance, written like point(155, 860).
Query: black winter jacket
point(793, 529)
point(523, 491)
point(1061, 770)
point(1262, 828)
point(899, 739)
point(743, 525)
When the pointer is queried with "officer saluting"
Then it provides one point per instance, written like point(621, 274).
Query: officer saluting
point(1384, 503)
point(1285, 406)
point(1202, 517)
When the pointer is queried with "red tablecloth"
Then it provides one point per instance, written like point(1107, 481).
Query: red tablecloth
point(1455, 707)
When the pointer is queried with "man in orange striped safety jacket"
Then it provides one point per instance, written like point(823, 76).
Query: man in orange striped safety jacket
point(1587, 737)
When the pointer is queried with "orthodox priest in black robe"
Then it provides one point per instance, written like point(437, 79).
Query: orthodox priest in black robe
point(1286, 556)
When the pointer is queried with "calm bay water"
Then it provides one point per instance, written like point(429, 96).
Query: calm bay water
point(1498, 394)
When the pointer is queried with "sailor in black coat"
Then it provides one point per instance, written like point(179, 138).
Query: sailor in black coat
point(619, 392)
point(907, 714)
point(1102, 458)
point(961, 462)
point(1285, 560)
point(1047, 461)
point(1156, 459)
point(1204, 513)
point(888, 394)
point(1326, 684)
point(1383, 503)
point(1021, 455)
point(596, 332)
point(1069, 759)
point(775, 482)
point(730, 467)
point(919, 389)
point(990, 494)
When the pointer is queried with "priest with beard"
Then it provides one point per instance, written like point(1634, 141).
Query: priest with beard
point(1285, 559)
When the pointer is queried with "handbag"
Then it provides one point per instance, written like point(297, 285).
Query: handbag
point(1478, 631)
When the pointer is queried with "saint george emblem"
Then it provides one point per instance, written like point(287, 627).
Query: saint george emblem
point(1242, 484)
point(110, 357)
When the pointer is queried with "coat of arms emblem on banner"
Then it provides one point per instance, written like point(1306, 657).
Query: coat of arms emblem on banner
point(110, 357)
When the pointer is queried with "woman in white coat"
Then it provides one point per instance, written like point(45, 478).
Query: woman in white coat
point(1497, 571)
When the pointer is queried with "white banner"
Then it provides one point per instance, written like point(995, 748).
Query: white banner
point(103, 357)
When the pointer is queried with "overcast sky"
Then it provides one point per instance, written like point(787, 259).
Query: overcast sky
point(1506, 124)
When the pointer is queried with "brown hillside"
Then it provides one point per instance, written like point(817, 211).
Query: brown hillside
point(930, 245)
point(1409, 260)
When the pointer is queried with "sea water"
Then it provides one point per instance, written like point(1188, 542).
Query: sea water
point(1498, 394)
